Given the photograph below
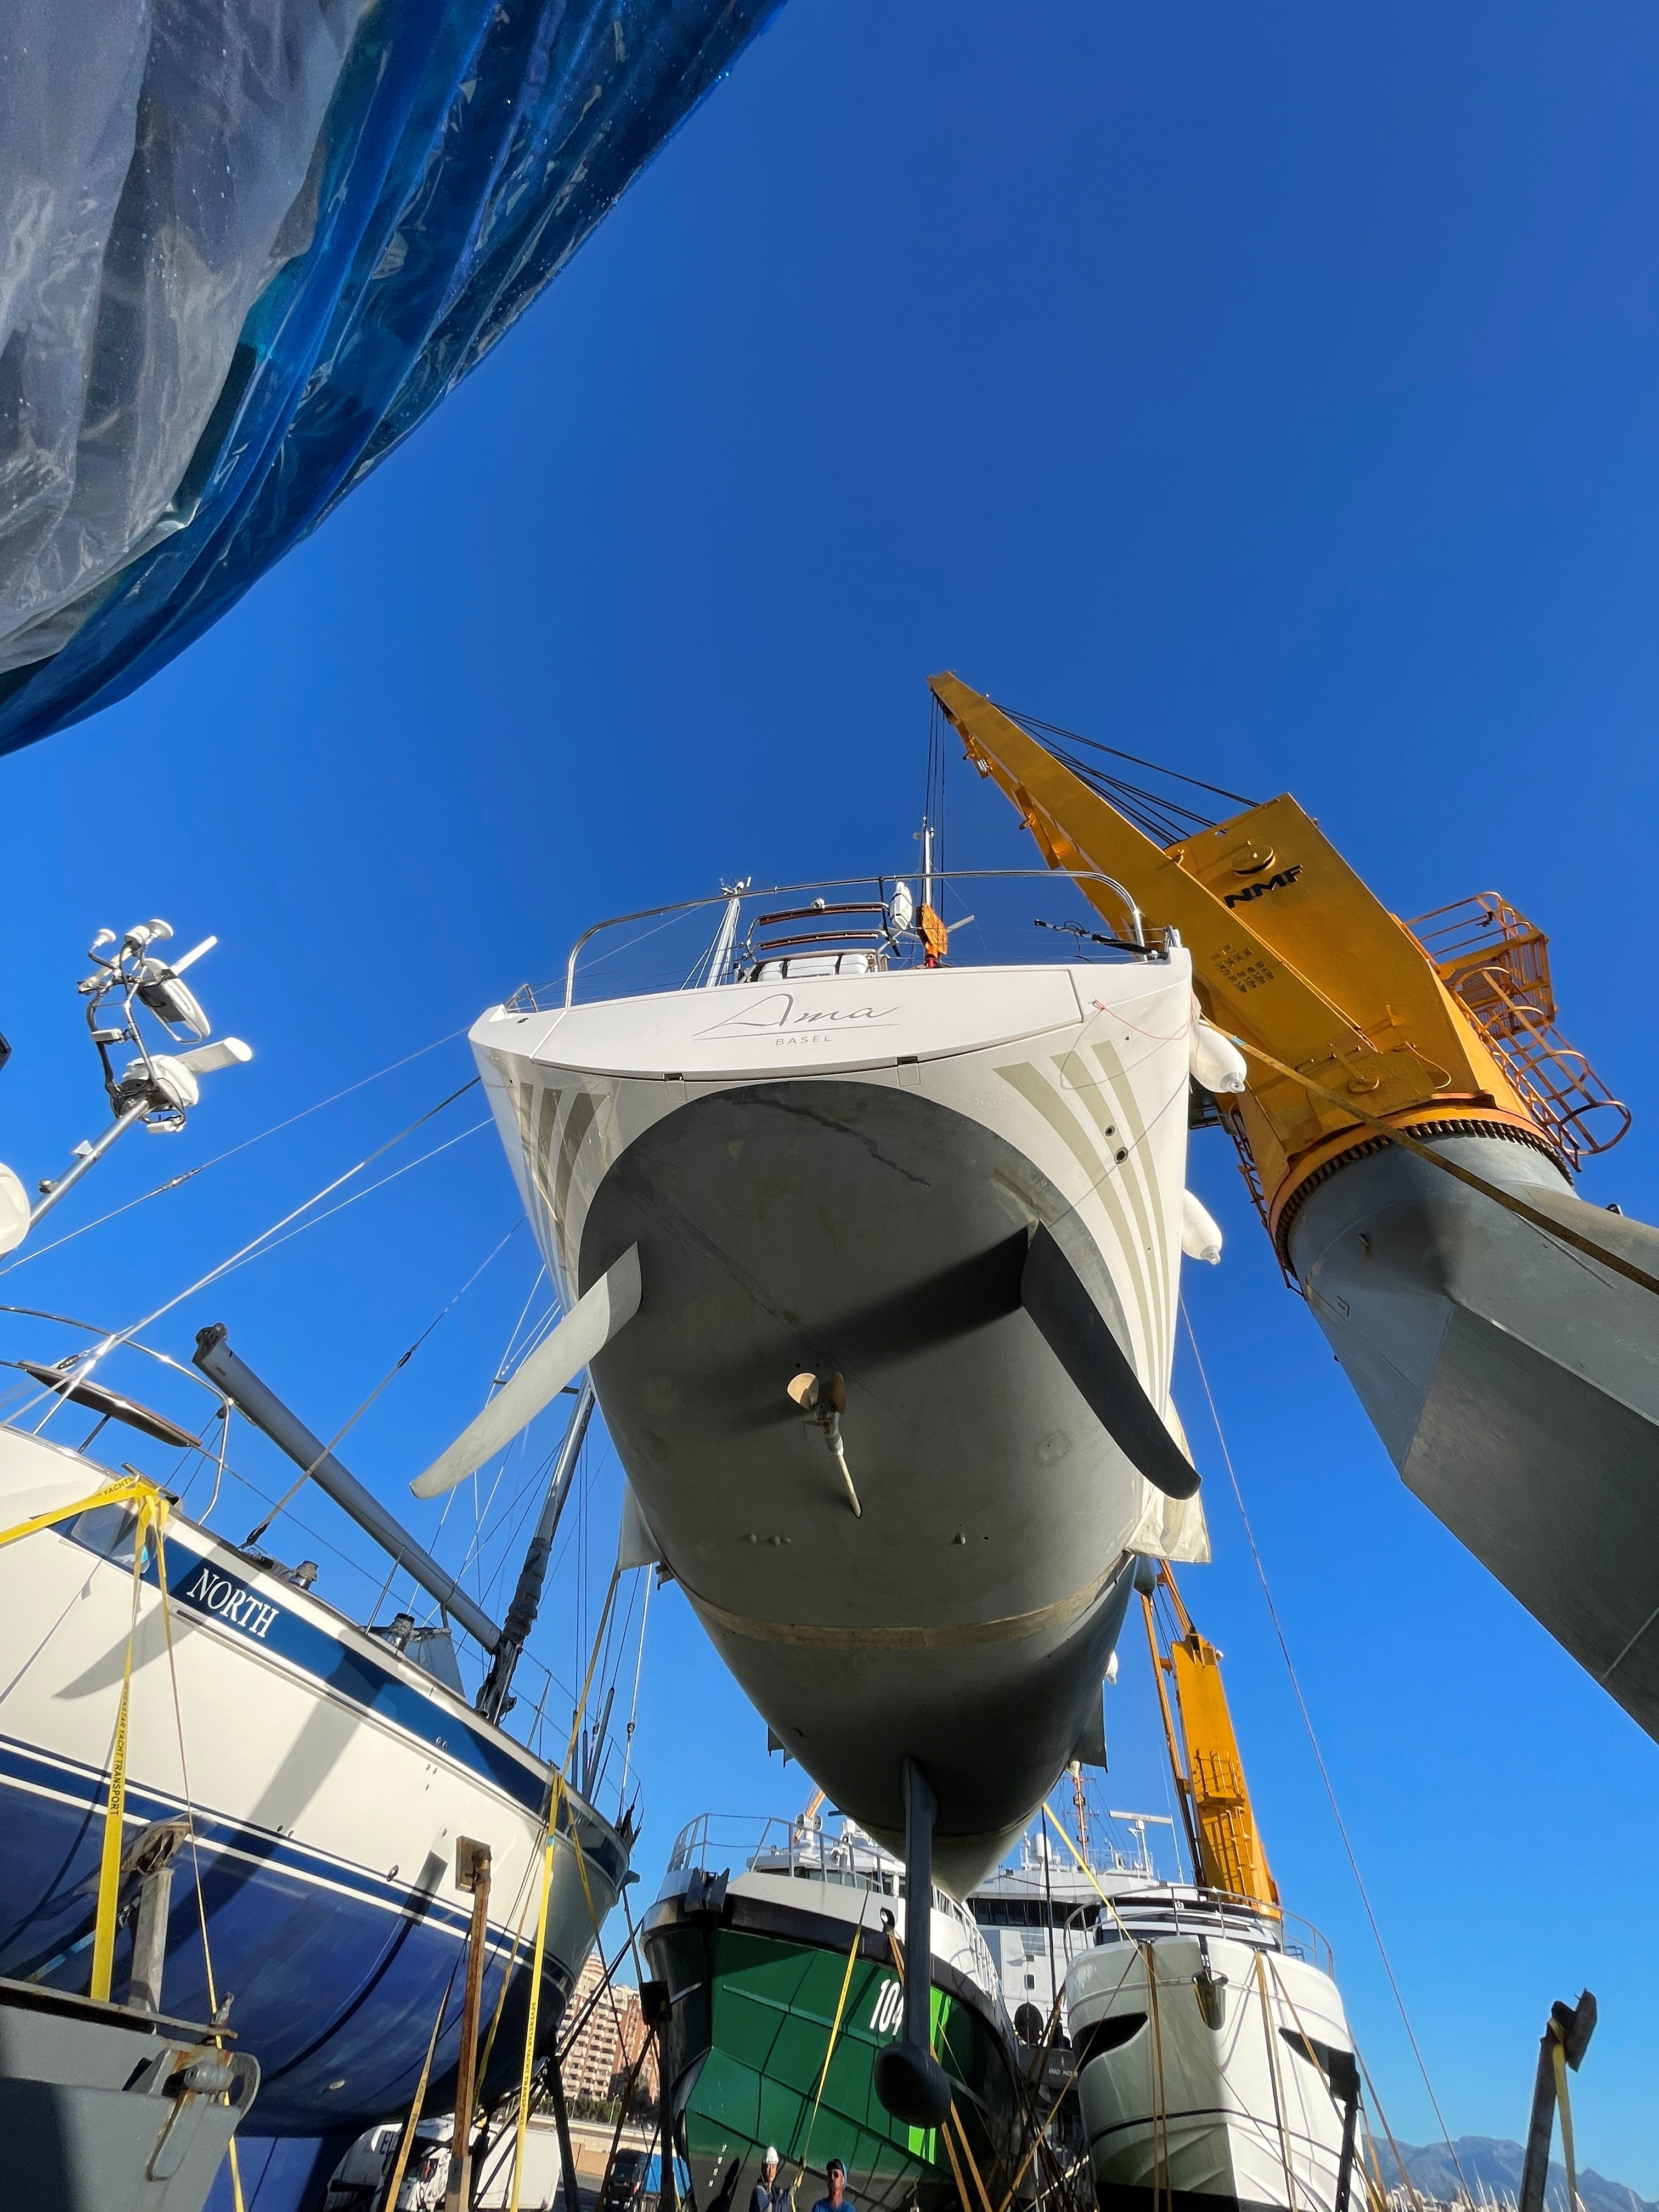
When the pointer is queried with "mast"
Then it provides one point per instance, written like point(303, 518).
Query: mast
point(261, 1405)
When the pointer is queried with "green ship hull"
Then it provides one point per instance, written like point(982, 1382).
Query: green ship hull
point(756, 1987)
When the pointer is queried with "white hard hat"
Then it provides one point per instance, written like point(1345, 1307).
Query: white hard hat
point(771, 2157)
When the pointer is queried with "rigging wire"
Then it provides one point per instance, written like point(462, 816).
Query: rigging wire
point(39, 1251)
point(396, 1368)
point(1319, 1757)
point(634, 1703)
point(1163, 817)
point(249, 1250)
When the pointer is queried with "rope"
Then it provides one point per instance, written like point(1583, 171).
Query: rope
point(956, 2167)
point(834, 2031)
point(1128, 1936)
point(1507, 1200)
point(1319, 1758)
point(1273, 2079)
point(968, 2153)
point(507, 1975)
point(1409, 2185)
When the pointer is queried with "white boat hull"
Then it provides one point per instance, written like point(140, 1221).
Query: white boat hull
point(848, 1176)
point(1206, 2119)
point(328, 1776)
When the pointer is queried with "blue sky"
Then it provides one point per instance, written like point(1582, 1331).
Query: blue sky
point(1272, 392)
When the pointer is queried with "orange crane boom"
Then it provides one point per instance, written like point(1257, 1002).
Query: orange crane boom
point(1409, 1129)
point(1204, 1756)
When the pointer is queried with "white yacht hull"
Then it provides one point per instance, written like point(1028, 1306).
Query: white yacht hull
point(848, 1175)
point(1203, 2119)
point(329, 1779)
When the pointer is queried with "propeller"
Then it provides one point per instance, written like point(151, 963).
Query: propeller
point(823, 1398)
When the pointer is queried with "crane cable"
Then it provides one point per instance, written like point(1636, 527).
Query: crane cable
point(1319, 1757)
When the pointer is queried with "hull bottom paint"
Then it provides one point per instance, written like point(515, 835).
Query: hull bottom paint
point(334, 1977)
point(1511, 1380)
point(281, 2173)
point(746, 2051)
point(837, 1225)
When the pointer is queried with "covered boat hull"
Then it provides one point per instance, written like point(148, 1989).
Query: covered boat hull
point(872, 1220)
point(1510, 1378)
point(328, 1780)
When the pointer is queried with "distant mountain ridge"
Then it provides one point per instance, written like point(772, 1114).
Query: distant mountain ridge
point(1490, 2162)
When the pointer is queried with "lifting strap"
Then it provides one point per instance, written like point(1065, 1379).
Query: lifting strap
point(829, 2048)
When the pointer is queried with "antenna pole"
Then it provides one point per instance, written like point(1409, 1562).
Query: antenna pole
point(51, 1192)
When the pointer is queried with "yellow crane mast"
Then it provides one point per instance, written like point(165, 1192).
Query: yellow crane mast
point(1409, 1127)
point(1294, 954)
point(1204, 1757)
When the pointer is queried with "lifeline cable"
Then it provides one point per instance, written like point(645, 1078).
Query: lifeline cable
point(1319, 1758)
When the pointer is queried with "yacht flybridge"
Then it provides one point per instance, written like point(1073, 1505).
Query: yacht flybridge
point(874, 1251)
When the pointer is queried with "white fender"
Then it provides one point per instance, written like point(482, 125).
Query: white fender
point(1201, 1239)
point(1214, 1059)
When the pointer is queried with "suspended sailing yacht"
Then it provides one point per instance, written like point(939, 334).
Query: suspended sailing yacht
point(874, 1255)
point(296, 1781)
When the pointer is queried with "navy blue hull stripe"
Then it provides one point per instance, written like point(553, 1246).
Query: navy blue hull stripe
point(212, 1589)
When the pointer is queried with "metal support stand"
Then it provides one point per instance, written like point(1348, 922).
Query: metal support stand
point(151, 1859)
point(1569, 2029)
point(656, 2004)
point(910, 2081)
point(471, 1872)
point(1345, 2085)
point(572, 2197)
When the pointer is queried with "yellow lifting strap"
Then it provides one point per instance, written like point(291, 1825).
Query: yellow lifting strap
point(829, 2048)
point(523, 2119)
point(113, 1493)
point(152, 1519)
